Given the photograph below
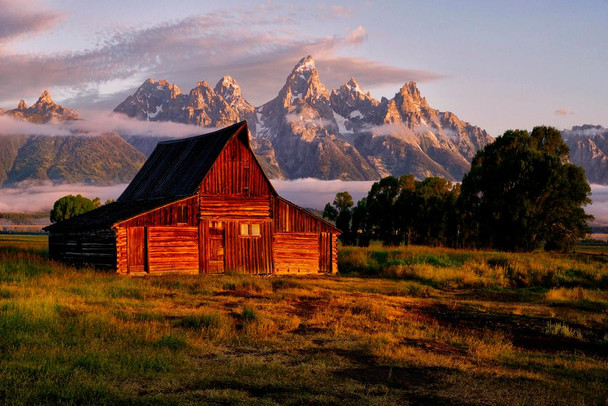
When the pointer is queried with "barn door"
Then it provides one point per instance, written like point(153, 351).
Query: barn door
point(136, 249)
point(325, 252)
point(216, 246)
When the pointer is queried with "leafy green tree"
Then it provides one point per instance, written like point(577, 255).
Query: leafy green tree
point(360, 226)
point(341, 213)
point(70, 206)
point(383, 210)
point(521, 194)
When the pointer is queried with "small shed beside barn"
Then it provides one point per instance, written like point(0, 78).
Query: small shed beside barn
point(199, 205)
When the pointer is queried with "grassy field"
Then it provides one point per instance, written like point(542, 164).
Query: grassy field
point(411, 325)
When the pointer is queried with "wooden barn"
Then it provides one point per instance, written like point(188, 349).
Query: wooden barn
point(199, 205)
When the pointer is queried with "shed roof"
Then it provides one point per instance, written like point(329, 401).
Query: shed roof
point(110, 214)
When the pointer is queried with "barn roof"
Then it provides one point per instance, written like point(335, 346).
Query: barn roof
point(177, 168)
point(107, 215)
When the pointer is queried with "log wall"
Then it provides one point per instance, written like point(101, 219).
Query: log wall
point(287, 217)
point(172, 249)
point(121, 250)
point(296, 252)
point(91, 247)
point(234, 207)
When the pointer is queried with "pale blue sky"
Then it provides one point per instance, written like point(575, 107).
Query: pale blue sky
point(499, 65)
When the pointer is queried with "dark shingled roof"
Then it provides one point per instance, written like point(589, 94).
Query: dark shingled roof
point(106, 216)
point(177, 167)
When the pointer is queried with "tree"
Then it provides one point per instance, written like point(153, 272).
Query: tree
point(360, 225)
point(383, 211)
point(341, 213)
point(521, 193)
point(70, 206)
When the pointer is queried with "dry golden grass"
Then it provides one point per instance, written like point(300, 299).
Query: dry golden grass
point(456, 331)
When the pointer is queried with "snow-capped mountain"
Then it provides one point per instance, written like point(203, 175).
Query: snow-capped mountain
point(308, 131)
point(589, 150)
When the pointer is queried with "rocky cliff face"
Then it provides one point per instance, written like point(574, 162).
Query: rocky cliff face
point(204, 106)
point(589, 150)
point(45, 110)
point(308, 131)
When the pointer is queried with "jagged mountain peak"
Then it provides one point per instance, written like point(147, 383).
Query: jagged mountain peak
point(202, 83)
point(307, 131)
point(303, 84)
point(161, 86)
point(228, 88)
point(353, 85)
point(45, 99)
point(410, 89)
point(44, 110)
point(306, 64)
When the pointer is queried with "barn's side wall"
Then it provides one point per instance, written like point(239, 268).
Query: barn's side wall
point(168, 240)
point(301, 242)
point(84, 247)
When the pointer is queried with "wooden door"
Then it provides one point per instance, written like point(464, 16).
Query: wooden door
point(325, 257)
point(136, 249)
point(216, 247)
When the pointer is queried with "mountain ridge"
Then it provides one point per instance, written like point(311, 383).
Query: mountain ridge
point(309, 131)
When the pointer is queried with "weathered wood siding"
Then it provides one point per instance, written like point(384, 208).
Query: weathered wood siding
point(169, 215)
point(296, 252)
point(250, 254)
point(325, 252)
point(287, 217)
point(172, 249)
point(121, 250)
point(234, 207)
point(302, 241)
point(334, 254)
point(235, 172)
point(90, 247)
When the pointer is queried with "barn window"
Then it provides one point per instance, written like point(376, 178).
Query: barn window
point(182, 214)
point(250, 230)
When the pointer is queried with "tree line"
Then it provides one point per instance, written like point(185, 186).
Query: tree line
point(521, 193)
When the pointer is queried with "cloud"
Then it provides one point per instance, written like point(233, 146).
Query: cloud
point(9, 125)
point(254, 46)
point(563, 112)
point(315, 193)
point(102, 122)
point(41, 198)
point(357, 36)
point(599, 207)
point(18, 20)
